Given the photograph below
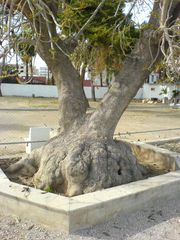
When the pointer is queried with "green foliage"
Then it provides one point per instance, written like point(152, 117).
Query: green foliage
point(25, 49)
point(102, 31)
point(175, 93)
point(163, 91)
point(8, 69)
point(108, 38)
point(48, 189)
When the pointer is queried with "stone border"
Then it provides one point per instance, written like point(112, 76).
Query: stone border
point(171, 160)
point(70, 214)
point(162, 141)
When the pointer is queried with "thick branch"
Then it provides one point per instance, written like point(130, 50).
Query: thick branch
point(72, 100)
point(134, 72)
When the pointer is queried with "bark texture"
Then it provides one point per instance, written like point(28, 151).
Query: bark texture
point(79, 164)
point(83, 156)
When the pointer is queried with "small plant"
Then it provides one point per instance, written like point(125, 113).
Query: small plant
point(49, 189)
point(175, 93)
point(164, 91)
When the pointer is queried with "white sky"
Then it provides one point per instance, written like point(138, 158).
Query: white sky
point(39, 62)
point(141, 13)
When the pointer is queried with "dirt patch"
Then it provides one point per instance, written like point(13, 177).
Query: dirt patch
point(6, 162)
point(136, 124)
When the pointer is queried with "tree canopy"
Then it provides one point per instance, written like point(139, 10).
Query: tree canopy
point(104, 41)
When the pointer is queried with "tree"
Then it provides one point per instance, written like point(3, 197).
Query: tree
point(104, 43)
point(25, 50)
point(83, 157)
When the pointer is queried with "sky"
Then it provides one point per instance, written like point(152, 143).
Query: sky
point(141, 13)
point(39, 62)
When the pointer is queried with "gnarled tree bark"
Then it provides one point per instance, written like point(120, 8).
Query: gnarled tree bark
point(83, 157)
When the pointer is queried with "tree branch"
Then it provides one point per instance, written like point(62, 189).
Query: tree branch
point(132, 75)
point(89, 20)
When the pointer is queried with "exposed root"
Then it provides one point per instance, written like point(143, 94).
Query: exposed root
point(27, 166)
point(79, 166)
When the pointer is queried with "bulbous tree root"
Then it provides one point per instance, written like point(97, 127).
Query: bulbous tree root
point(83, 165)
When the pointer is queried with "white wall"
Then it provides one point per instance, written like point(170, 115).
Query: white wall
point(154, 90)
point(139, 94)
point(29, 90)
point(148, 91)
point(100, 91)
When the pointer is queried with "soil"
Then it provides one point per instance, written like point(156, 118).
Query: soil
point(138, 123)
point(6, 162)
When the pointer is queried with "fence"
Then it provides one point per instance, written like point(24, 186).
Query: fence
point(15, 124)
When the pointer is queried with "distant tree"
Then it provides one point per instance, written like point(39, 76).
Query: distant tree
point(25, 49)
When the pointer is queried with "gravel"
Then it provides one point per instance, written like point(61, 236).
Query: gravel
point(162, 222)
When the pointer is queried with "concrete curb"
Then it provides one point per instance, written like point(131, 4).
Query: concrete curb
point(70, 214)
point(162, 141)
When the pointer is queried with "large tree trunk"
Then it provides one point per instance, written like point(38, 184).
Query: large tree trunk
point(83, 157)
point(79, 162)
point(72, 100)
